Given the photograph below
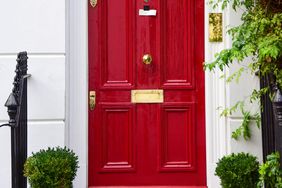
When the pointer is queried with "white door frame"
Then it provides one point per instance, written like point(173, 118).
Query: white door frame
point(77, 85)
point(77, 94)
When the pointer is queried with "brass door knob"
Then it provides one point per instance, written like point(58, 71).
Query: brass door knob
point(147, 59)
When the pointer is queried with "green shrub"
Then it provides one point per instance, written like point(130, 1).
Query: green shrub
point(51, 168)
point(270, 172)
point(238, 170)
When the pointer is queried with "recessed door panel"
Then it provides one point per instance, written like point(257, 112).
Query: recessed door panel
point(177, 55)
point(117, 40)
point(117, 129)
point(177, 138)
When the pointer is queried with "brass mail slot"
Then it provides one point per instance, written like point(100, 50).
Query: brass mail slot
point(147, 96)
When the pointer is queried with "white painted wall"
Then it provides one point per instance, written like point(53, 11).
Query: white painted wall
point(37, 27)
point(58, 90)
point(221, 94)
point(240, 91)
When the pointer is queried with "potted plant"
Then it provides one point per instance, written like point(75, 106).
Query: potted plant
point(51, 168)
point(238, 170)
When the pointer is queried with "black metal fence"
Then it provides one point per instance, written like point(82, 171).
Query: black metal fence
point(271, 118)
point(17, 111)
point(267, 121)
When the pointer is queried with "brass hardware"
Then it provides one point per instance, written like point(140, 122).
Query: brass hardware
point(147, 59)
point(147, 96)
point(215, 27)
point(93, 3)
point(92, 100)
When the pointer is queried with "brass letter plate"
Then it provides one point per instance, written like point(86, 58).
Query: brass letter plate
point(147, 96)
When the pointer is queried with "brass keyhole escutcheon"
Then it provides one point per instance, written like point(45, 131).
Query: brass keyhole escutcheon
point(147, 59)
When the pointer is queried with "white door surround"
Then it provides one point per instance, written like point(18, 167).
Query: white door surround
point(77, 94)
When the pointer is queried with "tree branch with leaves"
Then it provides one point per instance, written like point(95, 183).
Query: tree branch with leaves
point(260, 37)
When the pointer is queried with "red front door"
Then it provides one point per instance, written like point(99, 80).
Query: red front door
point(156, 142)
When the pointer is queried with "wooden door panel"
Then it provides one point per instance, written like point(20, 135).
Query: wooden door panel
point(177, 138)
point(114, 96)
point(147, 144)
point(147, 42)
point(173, 96)
point(117, 43)
point(177, 52)
point(117, 138)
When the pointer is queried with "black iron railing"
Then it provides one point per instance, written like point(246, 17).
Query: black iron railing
point(17, 111)
point(267, 120)
point(271, 118)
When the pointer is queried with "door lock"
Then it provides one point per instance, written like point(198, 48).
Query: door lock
point(92, 100)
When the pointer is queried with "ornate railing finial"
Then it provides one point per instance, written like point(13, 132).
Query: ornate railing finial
point(17, 111)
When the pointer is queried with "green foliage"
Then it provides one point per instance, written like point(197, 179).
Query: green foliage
point(259, 36)
point(238, 170)
point(244, 128)
point(51, 168)
point(235, 3)
point(270, 173)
